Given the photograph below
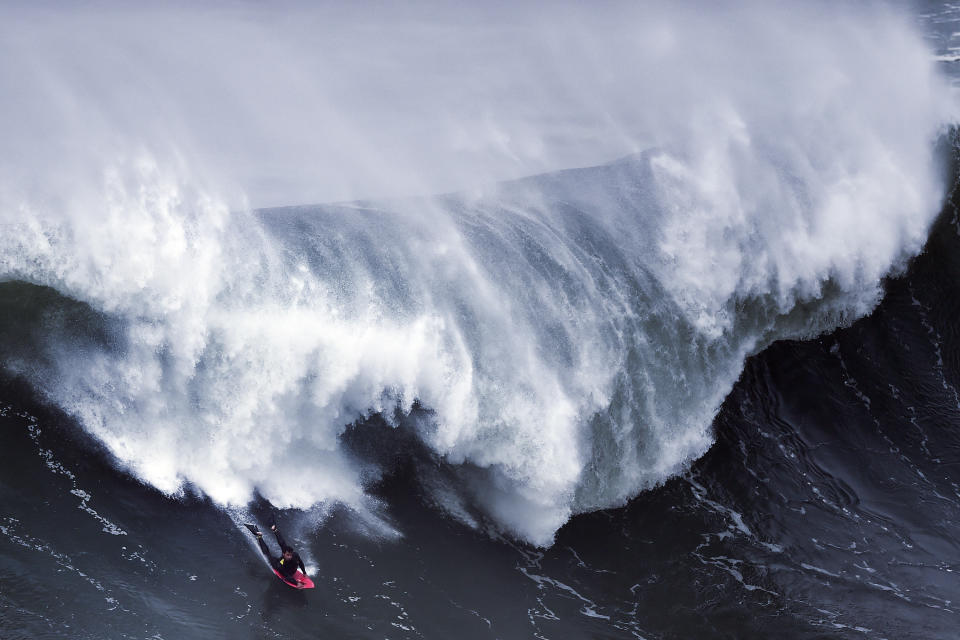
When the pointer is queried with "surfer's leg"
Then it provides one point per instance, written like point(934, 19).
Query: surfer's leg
point(265, 549)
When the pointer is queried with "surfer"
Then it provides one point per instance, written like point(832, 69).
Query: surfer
point(286, 565)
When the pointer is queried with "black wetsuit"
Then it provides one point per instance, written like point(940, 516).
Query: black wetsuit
point(286, 568)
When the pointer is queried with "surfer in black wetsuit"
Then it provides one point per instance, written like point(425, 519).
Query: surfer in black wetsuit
point(288, 562)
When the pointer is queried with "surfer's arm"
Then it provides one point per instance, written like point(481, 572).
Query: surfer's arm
point(302, 568)
point(280, 540)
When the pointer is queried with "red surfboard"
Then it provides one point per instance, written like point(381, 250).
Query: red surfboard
point(299, 581)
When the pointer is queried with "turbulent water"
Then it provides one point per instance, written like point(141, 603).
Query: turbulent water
point(702, 385)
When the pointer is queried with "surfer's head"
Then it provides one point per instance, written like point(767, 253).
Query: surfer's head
point(287, 553)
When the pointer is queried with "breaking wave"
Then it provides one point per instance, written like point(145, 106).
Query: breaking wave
point(557, 343)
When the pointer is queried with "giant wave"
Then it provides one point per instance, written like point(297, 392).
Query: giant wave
point(557, 343)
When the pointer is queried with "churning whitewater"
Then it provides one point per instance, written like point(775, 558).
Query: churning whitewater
point(559, 343)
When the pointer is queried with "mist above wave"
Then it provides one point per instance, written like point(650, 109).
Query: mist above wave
point(571, 335)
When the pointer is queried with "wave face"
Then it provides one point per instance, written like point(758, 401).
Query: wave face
point(557, 344)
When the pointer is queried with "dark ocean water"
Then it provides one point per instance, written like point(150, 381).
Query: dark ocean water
point(827, 507)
